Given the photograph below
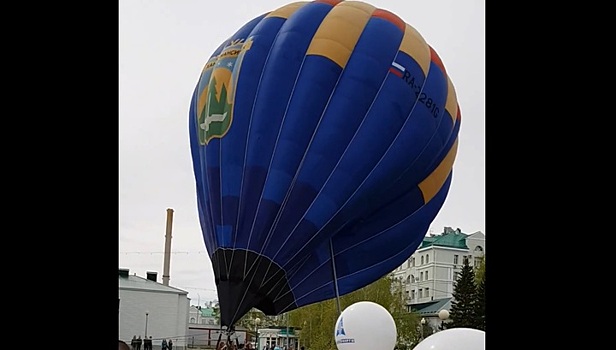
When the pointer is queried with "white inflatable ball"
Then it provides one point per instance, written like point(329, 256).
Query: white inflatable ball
point(454, 339)
point(365, 326)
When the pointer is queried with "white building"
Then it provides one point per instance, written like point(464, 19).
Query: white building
point(427, 276)
point(149, 308)
point(279, 336)
point(201, 315)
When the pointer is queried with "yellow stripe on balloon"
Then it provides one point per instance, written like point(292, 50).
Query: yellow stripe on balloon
point(432, 184)
point(340, 30)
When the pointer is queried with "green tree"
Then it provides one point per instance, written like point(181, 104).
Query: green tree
point(248, 320)
point(406, 322)
point(216, 312)
point(480, 270)
point(480, 304)
point(463, 312)
point(317, 321)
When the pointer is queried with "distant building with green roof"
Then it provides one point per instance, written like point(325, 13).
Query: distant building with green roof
point(201, 315)
point(427, 276)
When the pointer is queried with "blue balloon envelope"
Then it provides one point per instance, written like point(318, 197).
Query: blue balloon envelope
point(321, 129)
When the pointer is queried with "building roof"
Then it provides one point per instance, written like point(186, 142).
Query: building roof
point(134, 282)
point(207, 312)
point(449, 238)
point(431, 307)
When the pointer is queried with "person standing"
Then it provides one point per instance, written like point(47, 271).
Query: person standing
point(147, 343)
point(170, 344)
point(164, 344)
point(139, 341)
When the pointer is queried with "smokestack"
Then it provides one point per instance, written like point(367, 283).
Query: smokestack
point(167, 247)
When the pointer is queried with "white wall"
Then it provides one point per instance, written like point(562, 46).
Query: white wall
point(167, 315)
point(476, 245)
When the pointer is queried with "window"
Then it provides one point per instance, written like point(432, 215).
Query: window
point(421, 276)
point(465, 259)
point(407, 294)
point(421, 293)
point(413, 261)
point(426, 274)
point(413, 294)
point(427, 292)
point(455, 260)
point(422, 259)
point(408, 263)
point(477, 262)
point(408, 280)
point(427, 258)
point(192, 320)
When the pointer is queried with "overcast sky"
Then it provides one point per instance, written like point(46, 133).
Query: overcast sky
point(164, 44)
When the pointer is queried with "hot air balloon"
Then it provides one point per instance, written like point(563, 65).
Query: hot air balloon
point(323, 136)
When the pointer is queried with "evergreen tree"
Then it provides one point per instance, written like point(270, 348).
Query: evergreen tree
point(463, 311)
point(480, 304)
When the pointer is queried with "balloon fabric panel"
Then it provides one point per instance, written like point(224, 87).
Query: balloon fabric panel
point(360, 254)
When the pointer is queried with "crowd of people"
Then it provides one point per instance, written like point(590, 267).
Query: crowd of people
point(233, 346)
point(136, 343)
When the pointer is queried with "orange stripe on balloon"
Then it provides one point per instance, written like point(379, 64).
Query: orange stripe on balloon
point(437, 60)
point(330, 2)
point(388, 16)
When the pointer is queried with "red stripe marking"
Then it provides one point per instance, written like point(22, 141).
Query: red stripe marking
point(330, 2)
point(386, 15)
point(396, 72)
point(437, 60)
